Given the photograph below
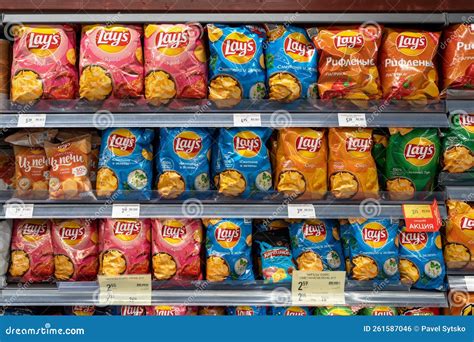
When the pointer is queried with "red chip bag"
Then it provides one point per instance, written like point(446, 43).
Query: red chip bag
point(31, 257)
point(76, 251)
point(124, 246)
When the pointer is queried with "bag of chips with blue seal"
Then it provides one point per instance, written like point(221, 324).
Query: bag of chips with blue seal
point(183, 161)
point(241, 165)
point(421, 260)
point(316, 245)
point(125, 164)
point(228, 249)
point(290, 311)
point(291, 63)
point(374, 249)
point(236, 64)
point(246, 311)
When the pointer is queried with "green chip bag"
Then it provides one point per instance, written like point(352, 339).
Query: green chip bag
point(412, 161)
point(334, 311)
point(458, 144)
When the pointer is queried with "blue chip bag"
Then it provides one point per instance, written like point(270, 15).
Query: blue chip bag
point(421, 260)
point(290, 311)
point(291, 63)
point(316, 245)
point(374, 250)
point(346, 237)
point(228, 249)
point(125, 164)
point(246, 311)
point(183, 161)
point(236, 64)
point(241, 164)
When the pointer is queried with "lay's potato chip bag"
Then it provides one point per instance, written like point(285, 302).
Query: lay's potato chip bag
point(183, 161)
point(291, 63)
point(379, 311)
point(458, 144)
point(236, 64)
point(290, 311)
point(246, 311)
point(335, 311)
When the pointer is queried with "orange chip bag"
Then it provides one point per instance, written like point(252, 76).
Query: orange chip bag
point(70, 165)
point(348, 63)
point(407, 65)
point(351, 167)
point(458, 56)
point(301, 162)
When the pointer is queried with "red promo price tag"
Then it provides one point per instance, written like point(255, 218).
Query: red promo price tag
point(422, 217)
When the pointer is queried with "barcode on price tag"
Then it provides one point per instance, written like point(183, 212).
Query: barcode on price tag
point(18, 211)
point(351, 120)
point(469, 280)
point(318, 288)
point(247, 120)
point(125, 210)
point(301, 211)
point(133, 289)
point(31, 120)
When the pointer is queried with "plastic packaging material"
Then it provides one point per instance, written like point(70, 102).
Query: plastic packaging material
point(170, 310)
point(134, 310)
point(124, 246)
point(44, 63)
point(7, 168)
point(212, 311)
point(111, 62)
point(290, 311)
point(183, 161)
point(246, 311)
point(260, 225)
point(176, 249)
point(228, 249)
point(5, 237)
point(458, 144)
point(335, 311)
point(87, 310)
point(175, 62)
point(379, 311)
point(419, 311)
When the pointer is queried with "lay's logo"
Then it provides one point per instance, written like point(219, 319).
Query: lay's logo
point(355, 144)
point(165, 311)
point(173, 232)
point(411, 43)
point(375, 234)
point(244, 311)
point(295, 311)
point(133, 311)
point(308, 144)
point(227, 234)
point(467, 122)
point(314, 232)
point(127, 230)
point(348, 42)
point(247, 144)
point(33, 231)
point(239, 48)
point(87, 310)
point(72, 233)
point(113, 40)
point(187, 145)
point(172, 42)
point(43, 42)
point(121, 142)
point(467, 223)
point(413, 241)
point(382, 312)
point(298, 47)
point(419, 151)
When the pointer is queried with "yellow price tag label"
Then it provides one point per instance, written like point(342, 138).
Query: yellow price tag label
point(318, 288)
point(417, 211)
point(133, 289)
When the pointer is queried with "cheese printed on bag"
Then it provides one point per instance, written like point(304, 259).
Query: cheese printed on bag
point(421, 260)
point(412, 162)
point(374, 250)
point(183, 161)
point(236, 64)
point(348, 61)
point(241, 162)
point(44, 63)
point(246, 311)
point(228, 249)
point(458, 144)
point(316, 245)
point(291, 63)
point(351, 167)
point(126, 163)
point(301, 162)
point(175, 62)
point(111, 62)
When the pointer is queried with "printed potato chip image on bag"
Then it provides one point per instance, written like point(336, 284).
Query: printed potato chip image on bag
point(125, 246)
point(412, 162)
point(290, 59)
point(407, 65)
point(175, 62)
point(301, 162)
point(31, 256)
point(183, 161)
point(236, 64)
point(228, 249)
point(459, 244)
point(176, 249)
point(458, 144)
point(457, 52)
point(348, 61)
point(76, 250)
point(351, 167)
point(111, 62)
point(44, 63)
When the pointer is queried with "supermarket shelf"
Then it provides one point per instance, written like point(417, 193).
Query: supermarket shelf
point(458, 18)
point(461, 282)
point(460, 106)
point(461, 193)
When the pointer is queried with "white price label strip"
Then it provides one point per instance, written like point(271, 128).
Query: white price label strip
point(301, 211)
point(31, 120)
point(247, 120)
point(318, 288)
point(18, 211)
point(125, 210)
point(351, 120)
point(133, 289)
point(469, 280)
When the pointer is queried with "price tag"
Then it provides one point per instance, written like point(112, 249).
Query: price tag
point(318, 288)
point(18, 211)
point(125, 210)
point(31, 120)
point(351, 120)
point(469, 280)
point(422, 217)
point(247, 120)
point(133, 289)
point(301, 211)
